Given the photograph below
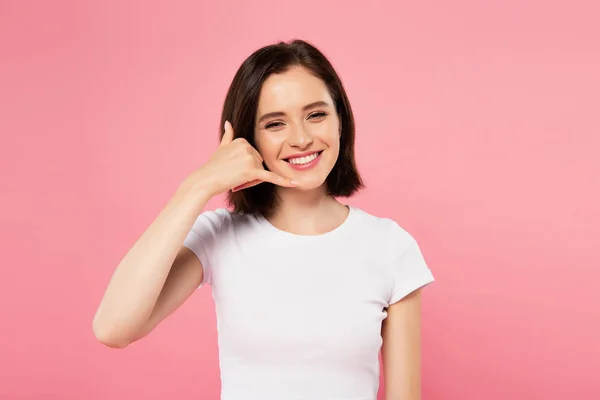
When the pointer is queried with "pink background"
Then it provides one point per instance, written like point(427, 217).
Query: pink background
point(478, 131)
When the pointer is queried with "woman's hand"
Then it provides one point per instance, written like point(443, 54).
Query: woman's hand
point(235, 165)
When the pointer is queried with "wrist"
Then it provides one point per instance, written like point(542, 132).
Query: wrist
point(197, 193)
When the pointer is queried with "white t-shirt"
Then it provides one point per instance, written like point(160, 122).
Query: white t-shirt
point(299, 317)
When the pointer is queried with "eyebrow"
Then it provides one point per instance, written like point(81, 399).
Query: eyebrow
point(307, 107)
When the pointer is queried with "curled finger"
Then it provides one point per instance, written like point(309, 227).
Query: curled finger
point(268, 176)
point(246, 185)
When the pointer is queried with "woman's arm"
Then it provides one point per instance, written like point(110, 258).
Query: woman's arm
point(158, 274)
point(401, 350)
point(155, 276)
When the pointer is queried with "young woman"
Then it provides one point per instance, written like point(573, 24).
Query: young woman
point(307, 290)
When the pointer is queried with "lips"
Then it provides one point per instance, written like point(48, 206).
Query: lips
point(305, 162)
point(303, 158)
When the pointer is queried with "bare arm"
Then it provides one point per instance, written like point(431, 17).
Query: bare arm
point(401, 350)
point(155, 276)
point(158, 273)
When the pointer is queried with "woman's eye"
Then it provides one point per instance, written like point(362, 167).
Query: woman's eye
point(318, 114)
point(273, 124)
point(313, 115)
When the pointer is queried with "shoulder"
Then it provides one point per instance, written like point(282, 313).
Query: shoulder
point(221, 221)
point(216, 216)
point(385, 229)
point(212, 220)
point(401, 254)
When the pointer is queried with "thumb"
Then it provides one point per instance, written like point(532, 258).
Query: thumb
point(228, 134)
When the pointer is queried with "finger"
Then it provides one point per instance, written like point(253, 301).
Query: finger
point(228, 134)
point(268, 176)
point(246, 185)
point(256, 155)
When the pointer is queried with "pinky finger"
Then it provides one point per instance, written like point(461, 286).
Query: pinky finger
point(268, 176)
point(246, 185)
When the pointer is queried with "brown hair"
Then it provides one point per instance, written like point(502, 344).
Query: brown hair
point(241, 104)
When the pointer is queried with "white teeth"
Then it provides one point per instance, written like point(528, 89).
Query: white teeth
point(303, 160)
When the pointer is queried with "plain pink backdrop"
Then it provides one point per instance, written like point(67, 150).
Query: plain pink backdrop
point(478, 130)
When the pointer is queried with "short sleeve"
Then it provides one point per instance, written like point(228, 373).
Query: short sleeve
point(203, 239)
point(409, 268)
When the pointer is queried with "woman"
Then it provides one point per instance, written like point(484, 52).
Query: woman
point(307, 290)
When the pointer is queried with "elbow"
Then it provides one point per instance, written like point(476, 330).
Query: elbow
point(113, 344)
point(106, 335)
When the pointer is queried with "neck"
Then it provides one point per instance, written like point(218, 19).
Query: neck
point(307, 212)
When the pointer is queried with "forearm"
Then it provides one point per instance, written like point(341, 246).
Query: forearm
point(140, 276)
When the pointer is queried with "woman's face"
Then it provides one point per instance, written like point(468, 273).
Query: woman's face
point(297, 129)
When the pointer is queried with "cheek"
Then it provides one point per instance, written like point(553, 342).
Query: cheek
point(268, 148)
point(330, 133)
point(334, 146)
point(332, 138)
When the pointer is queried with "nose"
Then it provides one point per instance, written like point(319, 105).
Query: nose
point(300, 137)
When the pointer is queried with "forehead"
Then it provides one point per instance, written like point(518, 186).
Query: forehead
point(291, 90)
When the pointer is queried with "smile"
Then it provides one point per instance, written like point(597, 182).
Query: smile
point(304, 162)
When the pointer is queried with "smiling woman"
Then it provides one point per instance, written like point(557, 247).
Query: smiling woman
point(294, 105)
point(308, 290)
